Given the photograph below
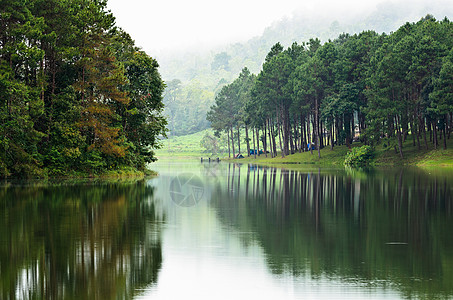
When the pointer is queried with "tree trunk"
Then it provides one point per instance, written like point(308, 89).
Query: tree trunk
point(435, 141)
point(423, 129)
point(239, 141)
point(317, 127)
point(331, 136)
point(399, 136)
point(318, 133)
point(280, 139)
point(228, 138)
point(258, 140)
point(274, 143)
point(451, 125)
point(418, 135)
point(274, 140)
point(291, 139)
point(412, 133)
point(254, 145)
point(265, 139)
point(404, 126)
point(285, 132)
point(270, 137)
point(296, 135)
point(313, 136)
point(247, 139)
point(301, 137)
point(232, 141)
point(304, 136)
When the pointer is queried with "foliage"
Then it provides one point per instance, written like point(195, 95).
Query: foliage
point(229, 112)
point(351, 228)
point(201, 74)
point(210, 143)
point(359, 156)
point(368, 87)
point(76, 94)
point(58, 219)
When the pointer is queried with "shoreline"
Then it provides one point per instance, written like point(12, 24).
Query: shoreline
point(384, 157)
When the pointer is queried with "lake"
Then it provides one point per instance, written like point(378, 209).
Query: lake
point(230, 231)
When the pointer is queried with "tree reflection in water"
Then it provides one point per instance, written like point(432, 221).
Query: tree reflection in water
point(78, 241)
point(376, 229)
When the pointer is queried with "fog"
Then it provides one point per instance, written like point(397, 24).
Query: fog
point(176, 26)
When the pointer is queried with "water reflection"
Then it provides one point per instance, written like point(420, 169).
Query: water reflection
point(253, 232)
point(376, 229)
point(78, 241)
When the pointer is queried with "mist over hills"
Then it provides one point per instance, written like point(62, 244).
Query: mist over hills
point(193, 78)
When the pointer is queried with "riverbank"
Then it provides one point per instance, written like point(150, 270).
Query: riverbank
point(124, 173)
point(383, 156)
point(189, 148)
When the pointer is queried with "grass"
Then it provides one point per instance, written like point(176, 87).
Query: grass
point(415, 157)
point(189, 147)
point(328, 157)
point(131, 173)
point(183, 146)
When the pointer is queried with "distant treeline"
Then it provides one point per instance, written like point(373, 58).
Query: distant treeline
point(76, 94)
point(376, 87)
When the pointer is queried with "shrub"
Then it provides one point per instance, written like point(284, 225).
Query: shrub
point(359, 156)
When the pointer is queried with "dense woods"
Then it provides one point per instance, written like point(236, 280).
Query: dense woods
point(379, 88)
point(194, 78)
point(76, 94)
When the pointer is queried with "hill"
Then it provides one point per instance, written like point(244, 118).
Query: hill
point(193, 79)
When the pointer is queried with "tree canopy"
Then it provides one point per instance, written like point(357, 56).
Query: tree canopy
point(76, 94)
point(368, 86)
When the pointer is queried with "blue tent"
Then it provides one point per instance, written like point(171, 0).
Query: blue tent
point(252, 152)
point(311, 146)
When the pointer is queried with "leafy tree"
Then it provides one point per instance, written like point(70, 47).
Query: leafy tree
point(143, 122)
point(76, 94)
point(221, 61)
point(386, 87)
point(442, 96)
point(210, 143)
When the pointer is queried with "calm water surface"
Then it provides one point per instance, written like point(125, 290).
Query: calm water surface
point(230, 231)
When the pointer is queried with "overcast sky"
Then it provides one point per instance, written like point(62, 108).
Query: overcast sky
point(160, 26)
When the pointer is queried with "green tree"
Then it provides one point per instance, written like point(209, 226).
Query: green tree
point(221, 61)
point(68, 103)
point(210, 143)
point(442, 96)
point(144, 123)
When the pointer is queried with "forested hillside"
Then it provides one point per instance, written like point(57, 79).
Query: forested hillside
point(76, 95)
point(193, 79)
point(379, 88)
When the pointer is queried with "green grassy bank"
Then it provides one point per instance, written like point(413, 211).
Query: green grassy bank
point(384, 156)
point(188, 147)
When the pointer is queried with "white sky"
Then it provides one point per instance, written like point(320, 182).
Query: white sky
point(174, 25)
point(163, 26)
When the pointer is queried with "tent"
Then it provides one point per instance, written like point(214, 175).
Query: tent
point(256, 152)
point(311, 146)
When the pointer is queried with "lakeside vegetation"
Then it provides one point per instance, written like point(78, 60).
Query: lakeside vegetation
point(193, 78)
point(382, 90)
point(77, 97)
point(383, 156)
point(190, 147)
